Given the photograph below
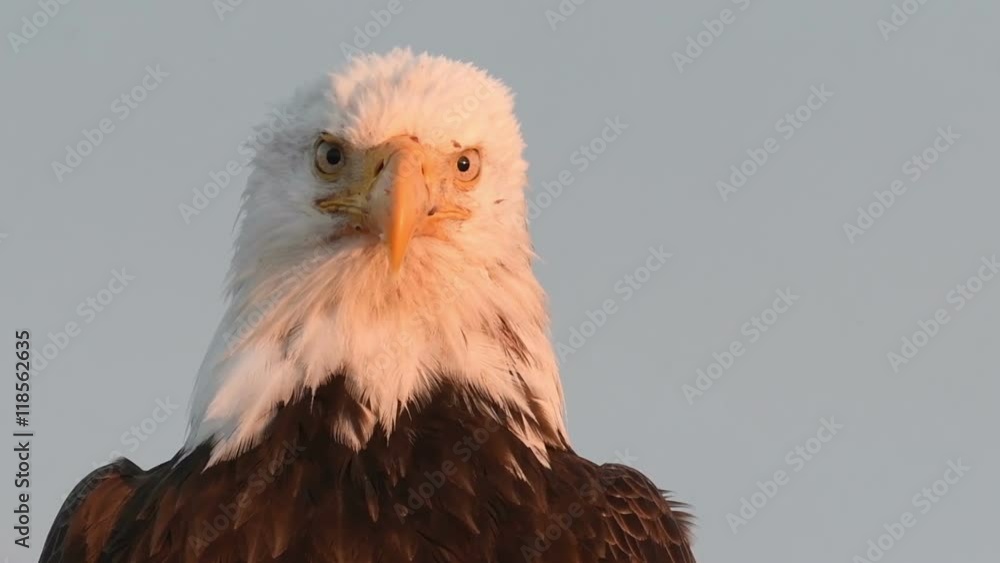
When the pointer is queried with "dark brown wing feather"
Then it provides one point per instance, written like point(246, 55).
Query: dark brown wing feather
point(608, 513)
point(650, 527)
point(88, 516)
point(450, 484)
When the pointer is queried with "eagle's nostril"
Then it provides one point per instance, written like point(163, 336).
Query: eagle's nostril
point(378, 169)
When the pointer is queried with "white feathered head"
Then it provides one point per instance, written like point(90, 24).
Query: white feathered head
point(384, 237)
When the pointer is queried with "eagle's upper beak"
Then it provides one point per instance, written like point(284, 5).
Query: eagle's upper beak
point(394, 196)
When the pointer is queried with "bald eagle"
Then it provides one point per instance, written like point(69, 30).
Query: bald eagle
point(382, 386)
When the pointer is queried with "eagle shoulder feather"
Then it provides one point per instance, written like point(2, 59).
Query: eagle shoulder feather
point(90, 513)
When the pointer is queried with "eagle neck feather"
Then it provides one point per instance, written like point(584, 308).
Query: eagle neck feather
point(393, 338)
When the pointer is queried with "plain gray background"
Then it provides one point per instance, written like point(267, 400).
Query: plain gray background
point(656, 184)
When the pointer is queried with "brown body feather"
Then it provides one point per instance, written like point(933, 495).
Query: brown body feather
point(450, 483)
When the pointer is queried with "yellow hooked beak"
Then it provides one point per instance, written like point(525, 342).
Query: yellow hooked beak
point(393, 197)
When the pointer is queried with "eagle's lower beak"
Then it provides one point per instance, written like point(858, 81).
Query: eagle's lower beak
point(393, 198)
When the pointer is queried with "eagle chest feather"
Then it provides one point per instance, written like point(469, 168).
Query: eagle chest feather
point(450, 483)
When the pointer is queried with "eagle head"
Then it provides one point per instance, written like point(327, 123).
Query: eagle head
point(384, 240)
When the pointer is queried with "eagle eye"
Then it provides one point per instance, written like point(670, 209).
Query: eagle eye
point(467, 165)
point(330, 156)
